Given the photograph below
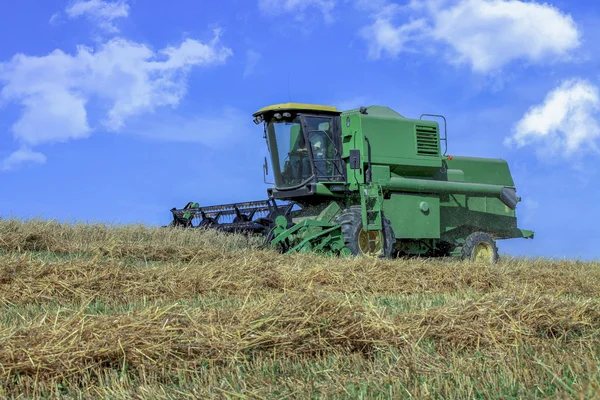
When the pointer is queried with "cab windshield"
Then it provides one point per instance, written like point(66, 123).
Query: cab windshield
point(289, 155)
point(299, 155)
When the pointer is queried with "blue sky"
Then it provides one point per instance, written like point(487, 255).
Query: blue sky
point(116, 111)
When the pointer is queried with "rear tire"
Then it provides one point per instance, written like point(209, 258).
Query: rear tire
point(355, 238)
point(480, 247)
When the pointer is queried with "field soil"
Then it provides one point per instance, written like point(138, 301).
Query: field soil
point(95, 311)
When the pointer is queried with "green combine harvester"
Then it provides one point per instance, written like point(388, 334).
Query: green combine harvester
point(369, 182)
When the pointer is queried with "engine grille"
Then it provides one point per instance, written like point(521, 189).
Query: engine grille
point(428, 143)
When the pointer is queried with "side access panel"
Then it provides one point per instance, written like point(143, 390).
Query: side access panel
point(413, 216)
point(463, 214)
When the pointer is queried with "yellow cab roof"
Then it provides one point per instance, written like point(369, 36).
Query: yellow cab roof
point(296, 106)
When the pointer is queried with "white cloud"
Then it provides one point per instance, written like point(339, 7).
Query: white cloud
point(101, 12)
point(252, 59)
point(490, 34)
point(487, 34)
point(21, 156)
point(52, 115)
point(122, 78)
point(566, 123)
point(297, 7)
point(54, 19)
point(385, 37)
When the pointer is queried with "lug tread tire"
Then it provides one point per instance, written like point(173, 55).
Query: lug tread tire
point(477, 237)
point(351, 221)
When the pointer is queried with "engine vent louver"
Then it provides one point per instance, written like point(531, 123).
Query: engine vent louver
point(428, 143)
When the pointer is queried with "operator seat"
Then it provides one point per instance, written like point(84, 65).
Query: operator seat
point(299, 155)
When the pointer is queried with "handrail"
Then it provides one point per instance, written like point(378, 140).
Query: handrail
point(445, 139)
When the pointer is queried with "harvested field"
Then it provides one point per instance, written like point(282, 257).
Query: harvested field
point(137, 312)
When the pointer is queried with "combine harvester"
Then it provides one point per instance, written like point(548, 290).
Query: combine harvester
point(369, 182)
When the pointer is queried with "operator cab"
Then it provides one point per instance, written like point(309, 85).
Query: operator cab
point(304, 142)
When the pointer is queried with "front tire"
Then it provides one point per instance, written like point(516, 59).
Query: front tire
point(480, 247)
point(357, 240)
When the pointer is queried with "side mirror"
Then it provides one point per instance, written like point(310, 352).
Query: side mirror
point(266, 172)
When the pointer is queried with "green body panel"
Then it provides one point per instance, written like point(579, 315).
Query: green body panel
point(393, 140)
point(324, 190)
point(329, 212)
point(477, 215)
point(475, 212)
point(381, 174)
point(352, 140)
point(492, 171)
point(413, 216)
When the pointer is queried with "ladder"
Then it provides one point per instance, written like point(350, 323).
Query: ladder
point(371, 202)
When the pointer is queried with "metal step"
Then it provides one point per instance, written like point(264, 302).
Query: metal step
point(371, 197)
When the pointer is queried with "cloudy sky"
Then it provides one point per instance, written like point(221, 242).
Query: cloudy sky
point(116, 111)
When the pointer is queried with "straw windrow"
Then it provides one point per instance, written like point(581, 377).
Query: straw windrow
point(122, 312)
